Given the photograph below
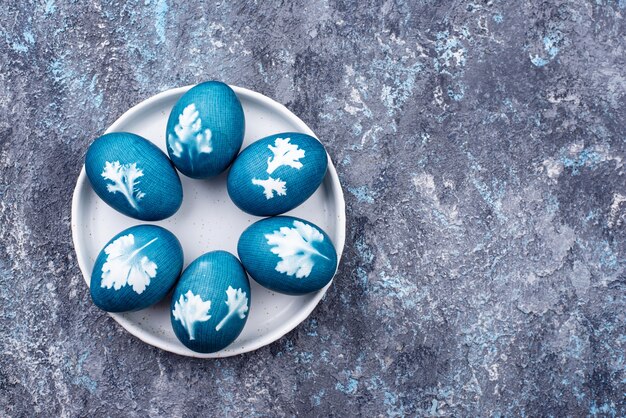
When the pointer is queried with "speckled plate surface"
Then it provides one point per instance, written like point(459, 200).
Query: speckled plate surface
point(207, 221)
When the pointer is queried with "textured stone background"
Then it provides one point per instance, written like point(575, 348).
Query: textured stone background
point(481, 147)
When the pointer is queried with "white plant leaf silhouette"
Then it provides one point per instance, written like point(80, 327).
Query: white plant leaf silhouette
point(237, 303)
point(124, 178)
point(190, 135)
point(285, 153)
point(295, 247)
point(270, 186)
point(126, 266)
point(190, 309)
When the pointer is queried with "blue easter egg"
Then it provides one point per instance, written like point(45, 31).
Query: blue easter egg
point(277, 173)
point(288, 255)
point(133, 176)
point(205, 130)
point(211, 302)
point(136, 269)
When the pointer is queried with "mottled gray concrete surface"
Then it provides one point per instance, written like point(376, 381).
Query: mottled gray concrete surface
point(481, 147)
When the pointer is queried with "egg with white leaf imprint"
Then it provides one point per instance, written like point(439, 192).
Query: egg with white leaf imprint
point(277, 173)
point(205, 130)
point(133, 176)
point(288, 255)
point(136, 269)
point(211, 302)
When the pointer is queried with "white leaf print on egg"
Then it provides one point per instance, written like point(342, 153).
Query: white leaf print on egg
point(270, 186)
point(190, 309)
point(124, 178)
point(295, 247)
point(285, 153)
point(126, 266)
point(189, 135)
point(237, 303)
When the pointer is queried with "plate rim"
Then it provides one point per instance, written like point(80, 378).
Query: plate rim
point(276, 333)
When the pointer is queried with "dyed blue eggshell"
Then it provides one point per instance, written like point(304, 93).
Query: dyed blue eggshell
point(205, 130)
point(277, 173)
point(133, 176)
point(136, 269)
point(211, 302)
point(288, 255)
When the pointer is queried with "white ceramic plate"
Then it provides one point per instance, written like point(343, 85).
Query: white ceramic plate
point(207, 221)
